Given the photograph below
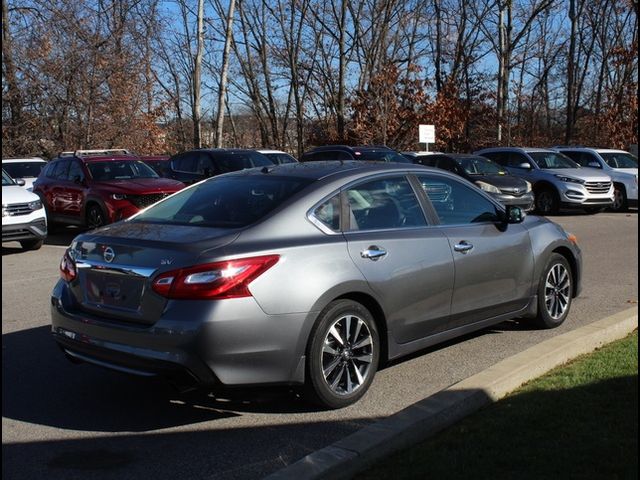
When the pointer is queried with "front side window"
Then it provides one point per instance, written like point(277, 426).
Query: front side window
point(224, 202)
point(480, 166)
point(60, 170)
point(75, 172)
point(457, 204)
point(384, 204)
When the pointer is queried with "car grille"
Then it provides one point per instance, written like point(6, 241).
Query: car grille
point(17, 209)
point(143, 201)
point(597, 187)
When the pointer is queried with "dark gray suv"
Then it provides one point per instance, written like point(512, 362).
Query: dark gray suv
point(306, 274)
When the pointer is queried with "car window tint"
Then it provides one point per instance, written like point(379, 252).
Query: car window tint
point(329, 213)
point(186, 163)
point(205, 165)
point(516, 159)
point(620, 160)
point(23, 170)
point(280, 158)
point(457, 204)
point(75, 171)
point(61, 169)
point(384, 204)
point(225, 202)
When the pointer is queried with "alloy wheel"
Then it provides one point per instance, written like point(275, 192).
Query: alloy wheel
point(347, 354)
point(557, 291)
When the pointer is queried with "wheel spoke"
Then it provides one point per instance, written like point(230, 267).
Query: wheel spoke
point(358, 374)
point(335, 382)
point(327, 349)
point(329, 369)
point(347, 336)
point(363, 343)
point(364, 358)
point(333, 331)
point(349, 382)
point(358, 328)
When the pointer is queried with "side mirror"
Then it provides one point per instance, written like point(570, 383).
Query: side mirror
point(525, 165)
point(514, 214)
point(594, 164)
point(20, 181)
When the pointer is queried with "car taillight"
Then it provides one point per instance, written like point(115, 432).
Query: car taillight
point(229, 279)
point(67, 268)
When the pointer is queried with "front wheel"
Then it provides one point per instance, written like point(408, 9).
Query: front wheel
point(547, 201)
point(343, 354)
point(95, 217)
point(620, 202)
point(555, 292)
point(34, 244)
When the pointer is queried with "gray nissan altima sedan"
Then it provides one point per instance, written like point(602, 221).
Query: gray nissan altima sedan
point(306, 274)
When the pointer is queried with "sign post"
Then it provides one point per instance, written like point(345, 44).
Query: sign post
point(427, 135)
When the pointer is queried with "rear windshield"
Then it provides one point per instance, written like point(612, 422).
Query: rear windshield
point(381, 156)
point(120, 170)
point(24, 170)
point(225, 202)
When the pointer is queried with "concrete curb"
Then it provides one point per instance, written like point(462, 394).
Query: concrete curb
point(354, 453)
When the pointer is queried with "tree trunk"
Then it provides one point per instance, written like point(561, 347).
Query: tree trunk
point(222, 91)
point(197, 74)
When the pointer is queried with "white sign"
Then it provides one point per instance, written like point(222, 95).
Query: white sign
point(427, 133)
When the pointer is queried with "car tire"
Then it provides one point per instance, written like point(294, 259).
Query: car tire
point(547, 201)
point(342, 355)
point(34, 244)
point(555, 292)
point(95, 217)
point(620, 201)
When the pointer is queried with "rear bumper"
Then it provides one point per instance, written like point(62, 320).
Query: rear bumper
point(224, 343)
point(36, 229)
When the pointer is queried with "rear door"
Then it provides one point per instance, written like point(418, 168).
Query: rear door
point(406, 263)
point(493, 262)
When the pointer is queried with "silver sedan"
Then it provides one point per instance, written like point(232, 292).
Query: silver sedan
point(307, 274)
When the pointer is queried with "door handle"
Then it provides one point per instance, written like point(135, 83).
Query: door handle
point(463, 247)
point(373, 253)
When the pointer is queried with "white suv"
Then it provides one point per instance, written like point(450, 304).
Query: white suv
point(23, 217)
point(26, 168)
point(621, 166)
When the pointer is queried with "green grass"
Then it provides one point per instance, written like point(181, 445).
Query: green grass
point(578, 421)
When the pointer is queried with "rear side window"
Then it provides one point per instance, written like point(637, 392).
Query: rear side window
point(384, 204)
point(185, 163)
point(328, 213)
point(225, 202)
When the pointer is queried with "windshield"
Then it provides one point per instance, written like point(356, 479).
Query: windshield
point(225, 202)
point(23, 170)
point(6, 179)
point(552, 160)
point(381, 156)
point(619, 159)
point(480, 166)
point(120, 170)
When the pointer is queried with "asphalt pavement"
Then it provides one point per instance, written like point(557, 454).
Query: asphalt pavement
point(65, 421)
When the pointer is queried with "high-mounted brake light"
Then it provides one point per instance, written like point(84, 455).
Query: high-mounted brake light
point(67, 268)
point(229, 279)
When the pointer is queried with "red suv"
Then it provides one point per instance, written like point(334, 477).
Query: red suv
point(95, 187)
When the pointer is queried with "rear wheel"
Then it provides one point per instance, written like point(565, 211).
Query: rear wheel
point(547, 201)
point(95, 217)
point(555, 292)
point(33, 244)
point(620, 202)
point(343, 354)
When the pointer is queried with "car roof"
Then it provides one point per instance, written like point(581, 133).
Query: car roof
point(20, 160)
point(318, 170)
point(260, 150)
point(363, 148)
point(516, 149)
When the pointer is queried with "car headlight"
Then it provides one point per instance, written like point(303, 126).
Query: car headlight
point(35, 205)
point(118, 196)
point(564, 178)
point(528, 186)
point(487, 187)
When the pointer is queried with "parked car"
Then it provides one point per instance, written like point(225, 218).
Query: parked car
point(27, 169)
point(95, 187)
point(23, 218)
point(277, 156)
point(160, 163)
point(195, 165)
point(344, 152)
point(306, 274)
point(621, 166)
point(485, 174)
point(557, 180)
